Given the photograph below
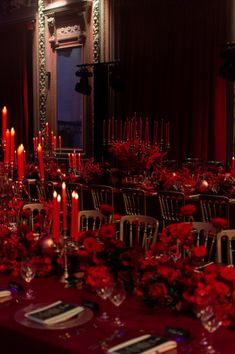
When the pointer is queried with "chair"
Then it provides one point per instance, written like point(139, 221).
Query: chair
point(170, 203)
point(204, 234)
point(44, 191)
point(138, 230)
point(134, 201)
point(101, 194)
point(35, 209)
point(226, 246)
point(213, 206)
point(90, 220)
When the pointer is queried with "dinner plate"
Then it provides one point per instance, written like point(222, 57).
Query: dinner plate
point(77, 320)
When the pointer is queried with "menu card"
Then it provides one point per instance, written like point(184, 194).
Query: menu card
point(146, 344)
point(55, 312)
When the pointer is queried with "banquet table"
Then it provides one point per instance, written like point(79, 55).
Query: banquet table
point(86, 338)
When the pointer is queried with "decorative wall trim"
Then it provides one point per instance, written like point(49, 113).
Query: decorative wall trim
point(96, 31)
point(42, 66)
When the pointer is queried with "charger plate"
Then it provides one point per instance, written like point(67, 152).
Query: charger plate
point(81, 318)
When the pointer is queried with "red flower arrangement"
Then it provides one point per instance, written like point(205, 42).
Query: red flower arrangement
point(177, 282)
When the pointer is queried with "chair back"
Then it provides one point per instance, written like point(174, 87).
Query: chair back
point(204, 234)
point(170, 203)
point(138, 230)
point(226, 246)
point(101, 194)
point(134, 201)
point(35, 209)
point(44, 191)
point(213, 206)
point(78, 188)
point(90, 220)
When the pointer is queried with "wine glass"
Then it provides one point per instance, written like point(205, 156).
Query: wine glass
point(117, 297)
point(104, 290)
point(28, 271)
point(209, 315)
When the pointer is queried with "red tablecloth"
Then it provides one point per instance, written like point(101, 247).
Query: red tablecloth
point(18, 339)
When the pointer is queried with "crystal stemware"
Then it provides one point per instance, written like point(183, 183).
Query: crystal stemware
point(104, 291)
point(28, 271)
point(210, 319)
point(117, 297)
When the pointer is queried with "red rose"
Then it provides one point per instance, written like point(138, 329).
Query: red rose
point(158, 291)
point(199, 251)
point(220, 223)
point(107, 231)
point(106, 209)
point(91, 245)
point(227, 273)
point(168, 273)
point(188, 210)
point(220, 288)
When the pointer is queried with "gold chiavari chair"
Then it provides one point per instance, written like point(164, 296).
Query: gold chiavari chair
point(138, 230)
point(134, 201)
point(170, 203)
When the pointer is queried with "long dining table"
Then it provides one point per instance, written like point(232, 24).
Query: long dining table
point(93, 336)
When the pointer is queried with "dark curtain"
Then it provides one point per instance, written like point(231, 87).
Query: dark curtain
point(15, 78)
point(170, 52)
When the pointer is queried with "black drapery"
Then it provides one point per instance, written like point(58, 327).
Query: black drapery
point(16, 80)
point(169, 53)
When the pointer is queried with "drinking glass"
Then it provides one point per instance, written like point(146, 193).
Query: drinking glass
point(28, 271)
point(210, 319)
point(117, 297)
point(104, 291)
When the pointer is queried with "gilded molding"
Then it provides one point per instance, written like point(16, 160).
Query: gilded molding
point(96, 31)
point(42, 66)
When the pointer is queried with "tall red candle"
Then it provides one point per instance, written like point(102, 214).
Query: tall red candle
point(79, 160)
point(69, 160)
point(64, 206)
point(60, 143)
point(20, 159)
point(40, 161)
point(58, 201)
point(76, 199)
point(4, 122)
point(233, 166)
point(7, 148)
point(54, 215)
point(72, 214)
point(12, 145)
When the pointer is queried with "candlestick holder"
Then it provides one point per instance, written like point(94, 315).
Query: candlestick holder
point(64, 278)
point(12, 170)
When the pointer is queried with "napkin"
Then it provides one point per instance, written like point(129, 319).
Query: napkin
point(53, 313)
point(146, 344)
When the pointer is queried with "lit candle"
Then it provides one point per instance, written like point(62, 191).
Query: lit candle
point(40, 161)
point(43, 142)
point(64, 206)
point(168, 133)
point(58, 201)
point(233, 166)
point(54, 214)
point(74, 159)
point(20, 159)
point(79, 160)
point(7, 149)
point(12, 145)
point(55, 143)
point(40, 137)
point(4, 122)
point(76, 199)
point(47, 129)
point(72, 214)
point(52, 140)
point(162, 130)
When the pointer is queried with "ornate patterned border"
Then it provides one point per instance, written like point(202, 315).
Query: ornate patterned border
point(96, 31)
point(42, 66)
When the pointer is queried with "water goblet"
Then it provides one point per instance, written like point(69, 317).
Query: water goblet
point(210, 319)
point(104, 291)
point(28, 271)
point(117, 297)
